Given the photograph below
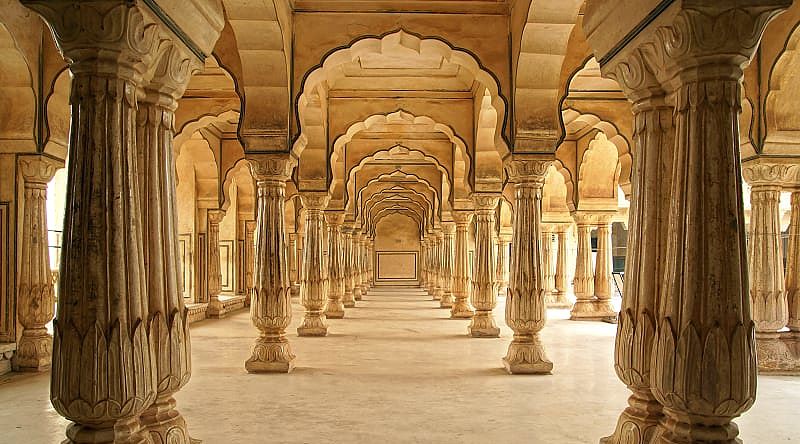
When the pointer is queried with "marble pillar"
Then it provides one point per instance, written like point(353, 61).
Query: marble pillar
point(215, 307)
point(644, 264)
point(768, 294)
point(364, 266)
point(584, 271)
point(336, 278)
point(103, 354)
point(35, 292)
point(602, 270)
point(526, 313)
point(355, 269)
point(423, 269)
point(438, 241)
point(548, 273)
point(705, 344)
point(503, 242)
point(294, 275)
point(484, 287)
point(793, 265)
point(461, 281)
point(271, 309)
point(167, 316)
point(349, 299)
point(560, 296)
point(314, 274)
point(448, 233)
point(249, 260)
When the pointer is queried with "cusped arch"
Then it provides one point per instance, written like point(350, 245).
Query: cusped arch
point(399, 176)
point(781, 116)
point(16, 92)
point(240, 172)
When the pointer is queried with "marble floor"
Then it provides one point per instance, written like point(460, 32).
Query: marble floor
point(397, 370)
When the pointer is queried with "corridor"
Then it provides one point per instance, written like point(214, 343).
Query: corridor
point(397, 370)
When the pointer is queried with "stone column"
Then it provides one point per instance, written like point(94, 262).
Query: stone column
point(548, 274)
point(448, 232)
point(271, 310)
point(423, 269)
point(103, 371)
point(654, 139)
point(35, 294)
point(215, 308)
point(704, 354)
point(525, 306)
point(349, 300)
point(294, 276)
point(430, 255)
point(584, 271)
point(371, 262)
point(364, 241)
point(298, 258)
point(484, 287)
point(560, 295)
point(503, 241)
point(314, 274)
point(793, 265)
point(602, 270)
point(767, 282)
point(336, 278)
point(358, 258)
point(461, 282)
point(167, 316)
point(438, 240)
point(249, 259)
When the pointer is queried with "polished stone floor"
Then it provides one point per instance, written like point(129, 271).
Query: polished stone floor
point(397, 370)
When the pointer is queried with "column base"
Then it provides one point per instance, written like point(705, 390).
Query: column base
point(526, 356)
point(437, 294)
point(775, 355)
point(34, 351)
point(349, 304)
point(215, 309)
point(446, 301)
point(461, 310)
point(638, 423)
point(483, 326)
point(313, 325)
point(357, 293)
point(592, 310)
point(681, 428)
point(335, 309)
point(165, 424)
point(271, 355)
point(123, 431)
point(557, 300)
point(364, 289)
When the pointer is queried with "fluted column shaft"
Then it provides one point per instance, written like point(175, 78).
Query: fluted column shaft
point(271, 309)
point(448, 233)
point(793, 265)
point(354, 290)
point(484, 287)
point(437, 264)
point(461, 282)
point(358, 265)
point(561, 278)
point(602, 269)
point(168, 318)
point(215, 308)
point(314, 274)
point(335, 307)
point(584, 271)
point(503, 241)
point(525, 305)
point(347, 299)
point(249, 259)
point(35, 292)
point(423, 269)
point(547, 265)
point(364, 267)
point(294, 275)
point(644, 269)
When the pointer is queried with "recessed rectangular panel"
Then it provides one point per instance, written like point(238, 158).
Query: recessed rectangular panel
point(397, 266)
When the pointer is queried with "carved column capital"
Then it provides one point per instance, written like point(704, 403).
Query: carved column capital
point(249, 226)
point(272, 166)
point(485, 202)
point(215, 215)
point(334, 218)
point(763, 173)
point(448, 228)
point(38, 170)
point(462, 218)
point(315, 200)
point(528, 169)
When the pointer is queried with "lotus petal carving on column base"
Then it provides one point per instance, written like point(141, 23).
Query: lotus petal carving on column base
point(313, 326)
point(461, 310)
point(483, 326)
point(271, 355)
point(526, 356)
point(592, 310)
